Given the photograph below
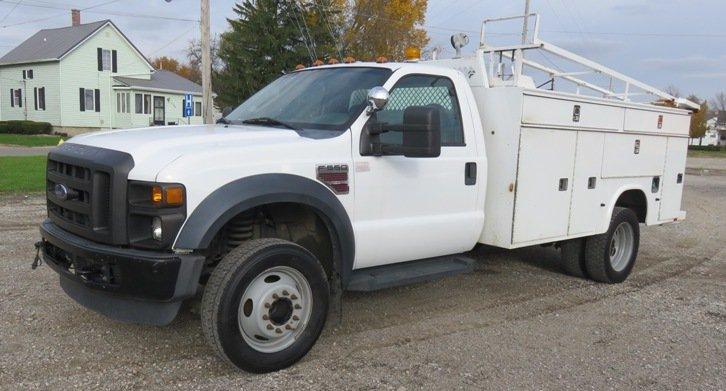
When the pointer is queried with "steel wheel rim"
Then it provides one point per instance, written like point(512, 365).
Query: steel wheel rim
point(621, 246)
point(275, 309)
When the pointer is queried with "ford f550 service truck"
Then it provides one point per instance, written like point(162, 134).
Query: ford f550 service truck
point(360, 176)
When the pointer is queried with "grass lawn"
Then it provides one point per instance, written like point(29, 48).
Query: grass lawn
point(716, 154)
point(29, 140)
point(19, 174)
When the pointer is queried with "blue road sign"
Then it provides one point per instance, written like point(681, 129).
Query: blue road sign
point(188, 105)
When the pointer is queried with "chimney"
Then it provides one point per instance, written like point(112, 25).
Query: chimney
point(76, 17)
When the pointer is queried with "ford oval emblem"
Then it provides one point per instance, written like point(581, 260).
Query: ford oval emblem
point(61, 191)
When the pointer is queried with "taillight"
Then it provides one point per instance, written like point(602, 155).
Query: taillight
point(335, 177)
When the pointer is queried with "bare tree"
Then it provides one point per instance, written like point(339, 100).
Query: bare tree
point(718, 102)
point(673, 90)
point(194, 53)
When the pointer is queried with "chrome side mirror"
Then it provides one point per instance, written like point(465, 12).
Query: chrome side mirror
point(377, 99)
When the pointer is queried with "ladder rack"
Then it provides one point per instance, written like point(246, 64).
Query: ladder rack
point(515, 53)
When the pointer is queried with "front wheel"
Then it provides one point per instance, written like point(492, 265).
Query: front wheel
point(265, 305)
point(610, 257)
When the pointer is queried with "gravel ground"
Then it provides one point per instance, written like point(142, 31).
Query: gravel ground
point(516, 322)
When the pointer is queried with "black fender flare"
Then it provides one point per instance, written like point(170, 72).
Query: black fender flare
point(242, 194)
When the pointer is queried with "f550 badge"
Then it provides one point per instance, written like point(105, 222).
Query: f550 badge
point(335, 176)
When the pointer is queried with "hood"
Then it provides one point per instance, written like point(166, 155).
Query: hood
point(154, 148)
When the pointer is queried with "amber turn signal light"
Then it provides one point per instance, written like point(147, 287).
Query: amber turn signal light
point(174, 195)
point(168, 195)
point(156, 195)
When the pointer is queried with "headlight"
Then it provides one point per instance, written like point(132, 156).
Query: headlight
point(156, 231)
point(156, 213)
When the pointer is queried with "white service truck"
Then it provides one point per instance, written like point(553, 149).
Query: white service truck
point(358, 176)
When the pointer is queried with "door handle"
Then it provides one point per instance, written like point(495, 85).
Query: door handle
point(470, 174)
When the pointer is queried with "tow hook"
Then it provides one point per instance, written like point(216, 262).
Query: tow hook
point(38, 260)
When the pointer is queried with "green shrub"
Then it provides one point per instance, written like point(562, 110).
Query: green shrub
point(25, 127)
point(707, 147)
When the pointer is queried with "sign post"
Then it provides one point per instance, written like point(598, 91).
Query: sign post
point(188, 107)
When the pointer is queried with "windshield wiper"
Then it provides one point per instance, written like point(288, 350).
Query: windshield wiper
point(224, 121)
point(270, 121)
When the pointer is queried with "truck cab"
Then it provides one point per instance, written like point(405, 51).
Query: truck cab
point(357, 176)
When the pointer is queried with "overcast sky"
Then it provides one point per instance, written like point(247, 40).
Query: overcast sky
point(661, 42)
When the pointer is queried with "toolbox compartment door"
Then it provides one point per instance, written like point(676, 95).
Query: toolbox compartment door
point(544, 184)
point(587, 184)
point(673, 179)
point(633, 155)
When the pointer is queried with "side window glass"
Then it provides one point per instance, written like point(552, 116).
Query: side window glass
point(424, 90)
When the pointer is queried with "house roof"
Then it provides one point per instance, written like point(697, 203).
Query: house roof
point(54, 44)
point(163, 80)
point(51, 44)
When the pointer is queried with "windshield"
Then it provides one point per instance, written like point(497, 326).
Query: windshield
point(326, 99)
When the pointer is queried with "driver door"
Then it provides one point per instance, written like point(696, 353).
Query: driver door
point(414, 208)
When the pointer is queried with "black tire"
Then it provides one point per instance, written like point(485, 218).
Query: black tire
point(597, 249)
point(573, 257)
point(224, 291)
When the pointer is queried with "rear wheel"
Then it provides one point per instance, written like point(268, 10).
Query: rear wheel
point(265, 305)
point(610, 257)
point(573, 257)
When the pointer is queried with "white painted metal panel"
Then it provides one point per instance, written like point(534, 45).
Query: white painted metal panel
point(501, 113)
point(586, 184)
point(656, 122)
point(541, 209)
point(672, 187)
point(541, 110)
point(631, 155)
point(413, 208)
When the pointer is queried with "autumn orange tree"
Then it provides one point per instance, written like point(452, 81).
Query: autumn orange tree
point(384, 28)
point(173, 65)
point(699, 118)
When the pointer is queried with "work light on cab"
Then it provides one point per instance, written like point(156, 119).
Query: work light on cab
point(412, 53)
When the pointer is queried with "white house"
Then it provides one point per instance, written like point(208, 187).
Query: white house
point(715, 132)
point(88, 77)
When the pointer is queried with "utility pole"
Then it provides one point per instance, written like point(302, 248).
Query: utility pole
point(206, 65)
point(526, 19)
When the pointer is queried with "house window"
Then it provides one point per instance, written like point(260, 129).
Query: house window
point(89, 101)
point(139, 100)
point(106, 60)
point(16, 98)
point(30, 73)
point(147, 104)
point(39, 98)
point(123, 102)
point(198, 109)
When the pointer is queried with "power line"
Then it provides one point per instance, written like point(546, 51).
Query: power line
point(11, 11)
point(674, 35)
point(101, 12)
point(166, 45)
point(575, 22)
point(54, 16)
point(302, 35)
point(330, 29)
point(307, 30)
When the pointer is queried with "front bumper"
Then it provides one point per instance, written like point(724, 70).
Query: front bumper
point(129, 285)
